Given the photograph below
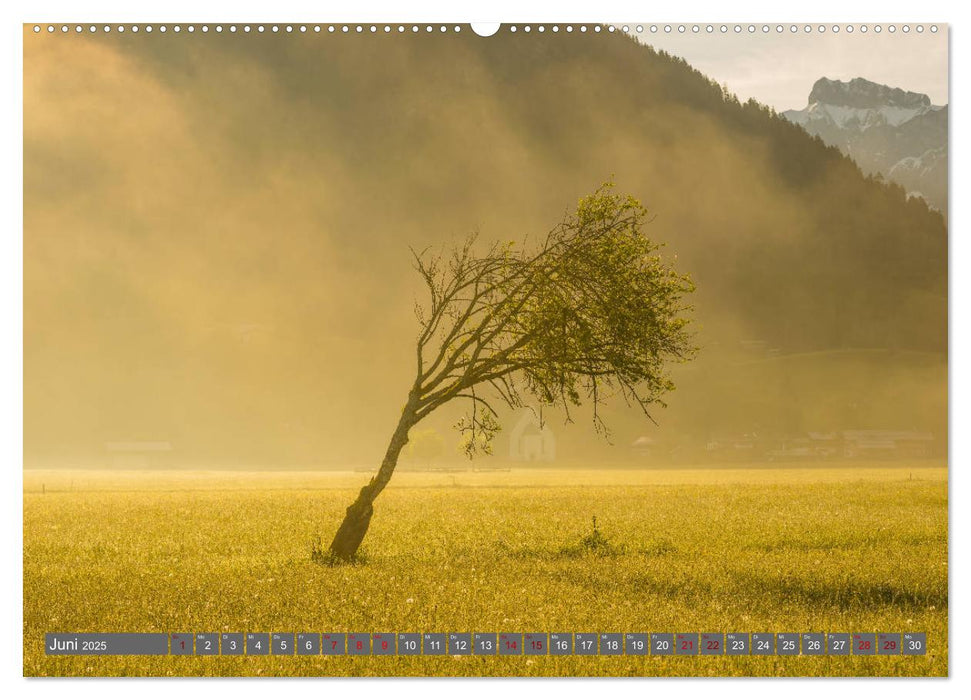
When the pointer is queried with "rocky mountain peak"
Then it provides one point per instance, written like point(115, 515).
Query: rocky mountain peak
point(860, 93)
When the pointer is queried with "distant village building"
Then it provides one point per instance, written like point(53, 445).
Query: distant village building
point(735, 446)
point(826, 444)
point(531, 441)
point(887, 443)
point(139, 455)
point(855, 444)
point(644, 446)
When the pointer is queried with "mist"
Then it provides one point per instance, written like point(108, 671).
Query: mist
point(217, 235)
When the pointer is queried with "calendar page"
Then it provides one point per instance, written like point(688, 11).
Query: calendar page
point(551, 349)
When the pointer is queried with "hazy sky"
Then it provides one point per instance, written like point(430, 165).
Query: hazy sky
point(780, 69)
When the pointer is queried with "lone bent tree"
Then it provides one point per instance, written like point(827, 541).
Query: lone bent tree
point(588, 312)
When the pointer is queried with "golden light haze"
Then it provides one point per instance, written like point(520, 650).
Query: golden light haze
point(217, 232)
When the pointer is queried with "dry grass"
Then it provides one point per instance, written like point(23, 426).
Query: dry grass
point(860, 549)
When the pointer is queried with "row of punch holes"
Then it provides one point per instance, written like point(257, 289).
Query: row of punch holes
point(513, 28)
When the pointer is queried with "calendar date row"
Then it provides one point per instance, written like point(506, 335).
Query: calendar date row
point(490, 644)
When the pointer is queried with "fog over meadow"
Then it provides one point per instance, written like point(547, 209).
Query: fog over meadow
point(217, 233)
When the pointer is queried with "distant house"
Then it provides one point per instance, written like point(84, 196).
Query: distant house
point(139, 455)
point(826, 444)
point(793, 448)
point(531, 441)
point(735, 446)
point(808, 446)
point(887, 443)
point(644, 446)
point(855, 444)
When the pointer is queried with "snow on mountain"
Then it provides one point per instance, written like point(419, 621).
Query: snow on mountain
point(856, 117)
point(889, 131)
point(919, 166)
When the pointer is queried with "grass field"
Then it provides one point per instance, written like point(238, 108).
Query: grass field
point(859, 548)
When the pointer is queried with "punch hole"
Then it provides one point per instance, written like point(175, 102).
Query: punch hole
point(485, 28)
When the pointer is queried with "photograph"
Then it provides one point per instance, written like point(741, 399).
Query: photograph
point(446, 350)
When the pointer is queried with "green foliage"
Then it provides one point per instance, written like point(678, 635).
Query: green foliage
point(424, 445)
point(608, 312)
point(587, 312)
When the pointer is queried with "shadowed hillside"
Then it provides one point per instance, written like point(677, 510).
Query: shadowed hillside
point(217, 231)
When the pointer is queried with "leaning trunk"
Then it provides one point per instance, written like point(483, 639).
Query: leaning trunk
point(358, 515)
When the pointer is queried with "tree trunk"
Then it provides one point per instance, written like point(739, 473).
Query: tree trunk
point(358, 515)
